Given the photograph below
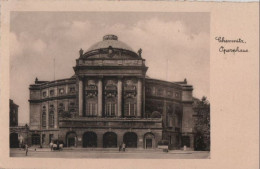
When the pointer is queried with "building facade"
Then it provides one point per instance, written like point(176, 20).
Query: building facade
point(18, 134)
point(110, 100)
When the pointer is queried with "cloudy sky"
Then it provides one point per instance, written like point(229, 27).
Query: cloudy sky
point(37, 38)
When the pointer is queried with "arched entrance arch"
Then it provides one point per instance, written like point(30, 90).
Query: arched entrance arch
point(130, 140)
point(36, 139)
point(109, 140)
point(89, 139)
point(14, 141)
point(149, 141)
point(71, 139)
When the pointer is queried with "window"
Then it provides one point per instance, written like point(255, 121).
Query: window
point(51, 92)
point(72, 112)
point(51, 119)
point(72, 89)
point(60, 113)
point(44, 94)
point(170, 121)
point(61, 91)
point(130, 108)
point(91, 109)
point(177, 95)
point(44, 119)
point(169, 93)
point(110, 109)
point(160, 92)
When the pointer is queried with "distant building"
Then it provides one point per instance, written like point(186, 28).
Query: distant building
point(18, 134)
point(110, 100)
point(13, 113)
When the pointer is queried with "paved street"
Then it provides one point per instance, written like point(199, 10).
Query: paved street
point(136, 154)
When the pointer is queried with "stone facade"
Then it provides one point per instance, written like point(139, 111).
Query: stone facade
point(13, 113)
point(110, 100)
point(18, 134)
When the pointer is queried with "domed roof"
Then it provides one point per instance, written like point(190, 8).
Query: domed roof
point(110, 40)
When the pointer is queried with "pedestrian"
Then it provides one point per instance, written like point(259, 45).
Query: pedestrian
point(61, 146)
point(51, 145)
point(123, 146)
point(120, 147)
point(26, 149)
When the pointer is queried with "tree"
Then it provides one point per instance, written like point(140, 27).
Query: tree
point(202, 124)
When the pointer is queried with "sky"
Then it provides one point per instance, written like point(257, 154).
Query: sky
point(175, 46)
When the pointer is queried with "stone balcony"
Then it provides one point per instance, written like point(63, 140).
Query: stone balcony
point(114, 122)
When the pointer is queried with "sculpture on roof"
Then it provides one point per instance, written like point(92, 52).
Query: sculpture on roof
point(81, 52)
point(140, 52)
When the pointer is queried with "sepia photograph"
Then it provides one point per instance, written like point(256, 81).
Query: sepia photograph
point(129, 84)
point(110, 85)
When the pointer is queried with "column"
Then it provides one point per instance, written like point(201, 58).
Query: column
point(119, 97)
point(100, 92)
point(47, 115)
point(80, 97)
point(139, 97)
point(56, 114)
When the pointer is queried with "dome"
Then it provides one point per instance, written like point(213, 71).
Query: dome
point(110, 40)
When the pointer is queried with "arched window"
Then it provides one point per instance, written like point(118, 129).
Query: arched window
point(51, 118)
point(130, 108)
point(43, 119)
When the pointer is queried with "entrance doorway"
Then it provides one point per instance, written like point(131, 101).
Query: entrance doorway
point(149, 141)
point(89, 139)
point(71, 138)
point(109, 140)
point(185, 141)
point(14, 141)
point(130, 140)
point(36, 139)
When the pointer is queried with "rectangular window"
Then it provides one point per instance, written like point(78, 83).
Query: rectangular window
point(61, 91)
point(170, 121)
point(130, 109)
point(160, 92)
point(43, 119)
point(169, 93)
point(91, 109)
point(51, 119)
point(72, 89)
point(110, 109)
point(51, 92)
point(44, 94)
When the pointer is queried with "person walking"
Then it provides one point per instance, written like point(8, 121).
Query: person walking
point(123, 146)
point(120, 147)
point(26, 149)
point(51, 145)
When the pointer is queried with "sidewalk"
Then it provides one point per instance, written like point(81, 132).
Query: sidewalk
point(112, 150)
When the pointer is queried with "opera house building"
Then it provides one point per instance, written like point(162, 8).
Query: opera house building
point(110, 100)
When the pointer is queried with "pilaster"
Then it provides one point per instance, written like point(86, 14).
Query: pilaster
point(119, 97)
point(100, 93)
point(139, 97)
point(80, 99)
